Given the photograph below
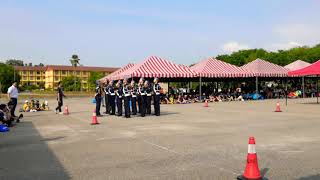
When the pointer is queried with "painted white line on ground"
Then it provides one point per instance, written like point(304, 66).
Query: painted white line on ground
point(291, 151)
point(225, 170)
point(100, 139)
point(161, 147)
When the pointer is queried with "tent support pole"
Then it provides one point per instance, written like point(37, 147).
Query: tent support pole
point(317, 90)
point(303, 91)
point(168, 88)
point(286, 91)
point(200, 89)
point(257, 85)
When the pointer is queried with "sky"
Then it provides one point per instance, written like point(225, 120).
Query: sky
point(114, 33)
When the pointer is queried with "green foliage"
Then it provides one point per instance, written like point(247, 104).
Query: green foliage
point(281, 57)
point(7, 77)
point(75, 61)
point(71, 83)
point(28, 87)
point(14, 62)
point(94, 76)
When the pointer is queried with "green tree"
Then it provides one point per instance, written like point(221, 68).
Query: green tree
point(7, 77)
point(94, 76)
point(280, 57)
point(71, 83)
point(14, 62)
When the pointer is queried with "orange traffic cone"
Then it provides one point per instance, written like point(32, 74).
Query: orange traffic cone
point(206, 103)
point(252, 171)
point(66, 110)
point(278, 107)
point(94, 118)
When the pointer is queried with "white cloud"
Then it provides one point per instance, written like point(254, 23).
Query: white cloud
point(285, 46)
point(304, 33)
point(234, 46)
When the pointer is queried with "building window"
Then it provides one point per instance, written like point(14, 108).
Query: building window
point(63, 72)
point(31, 72)
point(56, 78)
point(84, 73)
point(24, 72)
point(78, 72)
point(24, 78)
point(31, 78)
point(56, 72)
point(38, 78)
point(38, 72)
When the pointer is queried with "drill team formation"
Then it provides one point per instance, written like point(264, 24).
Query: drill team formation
point(134, 98)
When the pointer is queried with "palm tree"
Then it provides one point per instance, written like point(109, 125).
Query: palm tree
point(75, 61)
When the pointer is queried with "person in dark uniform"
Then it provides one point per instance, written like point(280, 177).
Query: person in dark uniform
point(60, 96)
point(106, 96)
point(140, 85)
point(98, 96)
point(127, 97)
point(156, 100)
point(119, 93)
point(149, 95)
point(143, 97)
point(112, 97)
point(133, 97)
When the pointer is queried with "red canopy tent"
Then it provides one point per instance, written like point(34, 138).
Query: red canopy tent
point(213, 68)
point(313, 69)
point(117, 72)
point(298, 64)
point(154, 66)
point(262, 68)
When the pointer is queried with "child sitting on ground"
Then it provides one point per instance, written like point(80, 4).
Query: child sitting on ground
point(26, 106)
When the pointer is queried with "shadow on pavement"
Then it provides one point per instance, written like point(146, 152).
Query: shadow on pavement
point(312, 177)
point(24, 154)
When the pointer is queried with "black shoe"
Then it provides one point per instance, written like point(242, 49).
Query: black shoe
point(112, 114)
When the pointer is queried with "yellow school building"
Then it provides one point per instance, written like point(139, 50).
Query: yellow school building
point(50, 75)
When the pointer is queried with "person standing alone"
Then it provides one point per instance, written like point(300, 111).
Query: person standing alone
point(98, 98)
point(60, 96)
point(13, 97)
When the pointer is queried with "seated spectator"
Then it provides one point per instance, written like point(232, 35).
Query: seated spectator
point(37, 105)
point(26, 106)
point(5, 115)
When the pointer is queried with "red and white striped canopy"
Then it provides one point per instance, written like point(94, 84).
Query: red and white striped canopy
point(298, 64)
point(113, 75)
point(154, 66)
point(262, 68)
point(213, 68)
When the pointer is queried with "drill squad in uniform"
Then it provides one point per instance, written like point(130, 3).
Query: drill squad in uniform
point(134, 99)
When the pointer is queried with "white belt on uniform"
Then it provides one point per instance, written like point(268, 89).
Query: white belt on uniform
point(134, 96)
point(112, 94)
point(157, 93)
point(120, 96)
point(126, 95)
point(142, 94)
point(148, 94)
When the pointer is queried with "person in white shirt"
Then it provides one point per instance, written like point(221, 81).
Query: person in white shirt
point(13, 97)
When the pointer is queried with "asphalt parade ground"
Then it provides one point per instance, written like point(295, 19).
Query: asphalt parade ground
point(186, 142)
